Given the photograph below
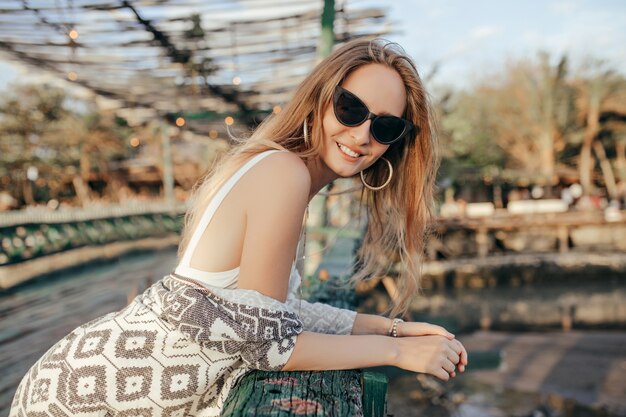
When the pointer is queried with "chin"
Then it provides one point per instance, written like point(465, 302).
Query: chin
point(343, 171)
point(346, 175)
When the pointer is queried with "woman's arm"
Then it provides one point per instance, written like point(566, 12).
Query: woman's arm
point(323, 318)
point(371, 324)
point(318, 352)
point(436, 355)
point(374, 324)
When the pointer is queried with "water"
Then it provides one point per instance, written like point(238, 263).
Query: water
point(560, 336)
point(466, 397)
point(593, 302)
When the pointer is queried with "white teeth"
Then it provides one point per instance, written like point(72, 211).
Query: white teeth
point(348, 151)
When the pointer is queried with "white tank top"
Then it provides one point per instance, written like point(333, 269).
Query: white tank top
point(224, 279)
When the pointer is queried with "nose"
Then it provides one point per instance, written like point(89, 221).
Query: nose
point(361, 134)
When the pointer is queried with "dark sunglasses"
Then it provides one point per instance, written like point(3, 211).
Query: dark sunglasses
point(351, 111)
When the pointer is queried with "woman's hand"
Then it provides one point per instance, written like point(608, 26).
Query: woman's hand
point(433, 354)
point(414, 329)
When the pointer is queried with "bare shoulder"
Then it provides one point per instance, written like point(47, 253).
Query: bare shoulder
point(282, 174)
point(276, 194)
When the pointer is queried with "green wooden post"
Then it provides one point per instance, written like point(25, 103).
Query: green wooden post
point(308, 393)
point(304, 393)
point(374, 394)
point(327, 37)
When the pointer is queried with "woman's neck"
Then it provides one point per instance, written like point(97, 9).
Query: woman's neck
point(321, 175)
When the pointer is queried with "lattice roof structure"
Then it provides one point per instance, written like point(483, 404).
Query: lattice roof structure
point(203, 59)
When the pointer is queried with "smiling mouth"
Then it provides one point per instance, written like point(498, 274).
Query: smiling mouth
point(348, 151)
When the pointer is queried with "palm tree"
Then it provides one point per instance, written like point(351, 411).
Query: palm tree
point(599, 89)
point(528, 113)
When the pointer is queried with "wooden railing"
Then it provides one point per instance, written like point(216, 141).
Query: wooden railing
point(309, 393)
point(33, 233)
point(554, 232)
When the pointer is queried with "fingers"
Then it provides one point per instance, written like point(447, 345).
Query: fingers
point(442, 374)
point(446, 371)
point(463, 356)
point(448, 366)
point(456, 358)
point(449, 356)
point(452, 355)
point(420, 329)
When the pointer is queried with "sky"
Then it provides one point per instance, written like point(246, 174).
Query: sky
point(472, 40)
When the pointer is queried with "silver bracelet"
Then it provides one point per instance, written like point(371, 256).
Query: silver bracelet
point(393, 330)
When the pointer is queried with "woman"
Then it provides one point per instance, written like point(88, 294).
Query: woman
point(183, 344)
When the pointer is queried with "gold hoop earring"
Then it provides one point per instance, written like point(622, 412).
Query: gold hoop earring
point(380, 187)
point(305, 131)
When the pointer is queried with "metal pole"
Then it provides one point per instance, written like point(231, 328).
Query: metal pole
point(318, 210)
point(168, 172)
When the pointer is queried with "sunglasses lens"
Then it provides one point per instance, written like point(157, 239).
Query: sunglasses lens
point(387, 129)
point(349, 109)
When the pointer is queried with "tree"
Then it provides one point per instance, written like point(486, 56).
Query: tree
point(520, 120)
point(535, 118)
point(27, 116)
point(38, 131)
point(600, 90)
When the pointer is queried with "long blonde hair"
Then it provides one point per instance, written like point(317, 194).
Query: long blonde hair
point(398, 215)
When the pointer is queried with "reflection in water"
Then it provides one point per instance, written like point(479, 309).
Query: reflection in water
point(417, 395)
point(596, 302)
point(580, 304)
